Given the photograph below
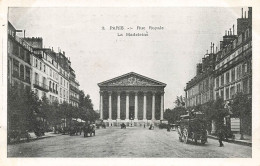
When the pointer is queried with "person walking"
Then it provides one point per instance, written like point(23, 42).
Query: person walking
point(220, 129)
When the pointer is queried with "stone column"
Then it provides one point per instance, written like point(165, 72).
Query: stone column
point(110, 105)
point(101, 105)
point(136, 106)
point(153, 106)
point(127, 106)
point(144, 108)
point(162, 105)
point(118, 106)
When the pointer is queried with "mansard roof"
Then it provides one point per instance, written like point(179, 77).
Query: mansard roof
point(131, 79)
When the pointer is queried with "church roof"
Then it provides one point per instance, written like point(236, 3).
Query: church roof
point(131, 79)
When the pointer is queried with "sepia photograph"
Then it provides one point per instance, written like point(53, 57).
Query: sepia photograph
point(129, 82)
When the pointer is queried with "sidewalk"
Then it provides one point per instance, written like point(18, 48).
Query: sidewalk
point(46, 135)
point(34, 137)
point(246, 141)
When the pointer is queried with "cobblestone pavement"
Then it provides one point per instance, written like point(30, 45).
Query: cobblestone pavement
point(130, 142)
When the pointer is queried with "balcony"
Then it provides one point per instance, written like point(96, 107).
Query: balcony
point(74, 98)
point(244, 55)
point(74, 89)
point(41, 86)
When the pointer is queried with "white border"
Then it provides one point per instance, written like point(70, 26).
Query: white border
point(4, 4)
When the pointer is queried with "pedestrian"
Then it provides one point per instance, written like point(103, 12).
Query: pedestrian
point(220, 129)
point(220, 137)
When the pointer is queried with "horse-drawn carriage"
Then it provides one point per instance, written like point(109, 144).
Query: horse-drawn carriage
point(192, 127)
point(89, 129)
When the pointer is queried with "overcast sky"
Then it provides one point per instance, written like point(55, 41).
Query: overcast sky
point(169, 55)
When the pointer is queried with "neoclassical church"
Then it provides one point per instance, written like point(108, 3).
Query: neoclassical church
point(132, 99)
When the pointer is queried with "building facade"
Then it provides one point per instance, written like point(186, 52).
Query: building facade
point(199, 90)
point(233, 69)
point(64, 82)
point(132, 99)
point(19, 69)
point(30, 66)
point(74, 89)
point(229, 71)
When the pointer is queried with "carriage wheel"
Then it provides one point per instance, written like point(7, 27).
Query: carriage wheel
point(203, 141)
point(180, 135)
point(185, 135)
point(180, 138)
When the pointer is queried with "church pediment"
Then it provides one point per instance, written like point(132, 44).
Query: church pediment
point(131, 79)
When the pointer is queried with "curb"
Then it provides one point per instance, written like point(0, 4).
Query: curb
point(239, 142)
point(31, 139)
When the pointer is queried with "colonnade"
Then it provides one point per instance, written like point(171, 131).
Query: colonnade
point(136, 99)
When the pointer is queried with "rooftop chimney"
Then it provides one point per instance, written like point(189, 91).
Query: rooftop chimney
point(242, 12)
point(245, 14)
point(225, 33)
point(210, 47)
point(230, 31)
point(213, 48)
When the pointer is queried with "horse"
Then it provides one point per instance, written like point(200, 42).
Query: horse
point(74, 130)
point(89, 129)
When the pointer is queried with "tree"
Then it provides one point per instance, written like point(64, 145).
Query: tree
point(242, 108)
point(173, 115)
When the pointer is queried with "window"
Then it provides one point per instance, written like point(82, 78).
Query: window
point(244, 69)
point(36, 63)
point(15, 49)
point(36, 79)
point(227, 93)
point(40, 65)
point(239, 71)
point(60, 92)
point(21, 71)
point(22, 55)
point(27, 74)
point(238, 88)
point(245, 86)
point(28, 57)
point(63, 93)
point(217, 82)
point(44, 81)
point(222, 79)
point(50, 72)
point(44, 68)
point(227, 77)
point(233, 75)
point(232, 92)
point(61, 80)
point(53, 87)
point(15, 68)
point(50, 85)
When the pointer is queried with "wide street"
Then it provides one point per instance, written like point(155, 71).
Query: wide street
point(130, 142)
